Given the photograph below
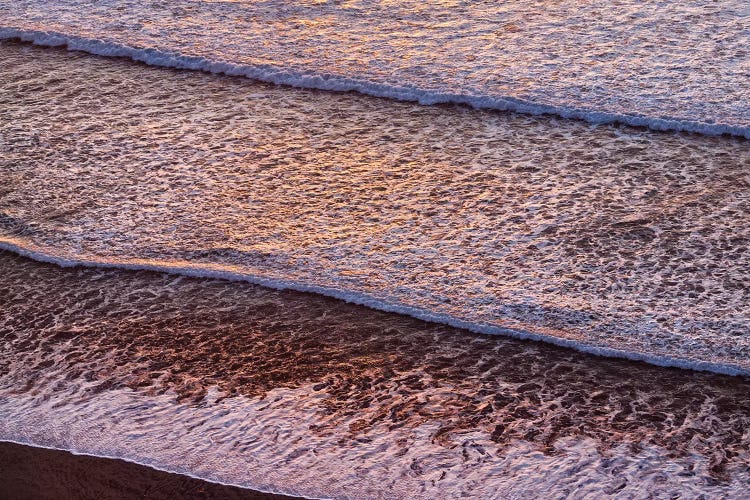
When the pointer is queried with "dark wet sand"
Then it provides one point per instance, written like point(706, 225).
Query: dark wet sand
point(37, 473)
point(373, 374)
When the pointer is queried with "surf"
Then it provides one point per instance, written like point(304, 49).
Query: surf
point(193, 270)
point(341, 83)
point(497, 223)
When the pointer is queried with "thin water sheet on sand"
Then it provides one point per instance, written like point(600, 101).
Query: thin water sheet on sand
point(302, 394)
point(613, 240)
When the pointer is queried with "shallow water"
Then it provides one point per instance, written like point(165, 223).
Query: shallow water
point(303, 394)
point(669, 64)
point(613, 240)
point(609, 239)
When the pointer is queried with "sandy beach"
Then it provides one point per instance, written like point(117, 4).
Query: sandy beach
point(28, 472)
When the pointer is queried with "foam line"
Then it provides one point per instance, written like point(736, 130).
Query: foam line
point(202, 270)
point(330, 82)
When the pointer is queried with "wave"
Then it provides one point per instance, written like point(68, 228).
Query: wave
point(338, 83)
point(202, 270)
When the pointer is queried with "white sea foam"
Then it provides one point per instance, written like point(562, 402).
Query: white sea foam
point(220, 272)
point(612, 240)
point(341, 83)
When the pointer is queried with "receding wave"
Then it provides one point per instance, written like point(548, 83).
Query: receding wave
point(282, 391)
point(612, 239)
point(219, 272)
point(263, 280)
point(341, 83)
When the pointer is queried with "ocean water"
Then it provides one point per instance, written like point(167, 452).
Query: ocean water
point(483, 183)
point(302, 394)
point(668, 64)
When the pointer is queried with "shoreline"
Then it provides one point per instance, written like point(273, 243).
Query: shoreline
point(33, 472)
point(247, 365)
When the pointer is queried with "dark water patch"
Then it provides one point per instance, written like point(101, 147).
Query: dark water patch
point(157, 333)
point(43, 474)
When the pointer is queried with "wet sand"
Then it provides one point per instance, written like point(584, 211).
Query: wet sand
point(37, 473)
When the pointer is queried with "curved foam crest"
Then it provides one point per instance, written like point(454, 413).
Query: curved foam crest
point(219, 272)
point(611, 240)
point(281, 76)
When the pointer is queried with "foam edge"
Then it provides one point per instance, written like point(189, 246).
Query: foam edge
point(184, 268)
point(329, 82)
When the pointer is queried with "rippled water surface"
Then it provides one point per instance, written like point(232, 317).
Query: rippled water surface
point(309, 395)
point(614, 240)
point(266, 204)
point(676, 64)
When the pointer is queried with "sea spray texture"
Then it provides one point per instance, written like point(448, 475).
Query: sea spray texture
point(667, 65)
point(613, 240)
point(610, 239)
point(300, 393)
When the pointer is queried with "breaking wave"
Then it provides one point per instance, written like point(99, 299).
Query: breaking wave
point(341, 83)
point(203, 270)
